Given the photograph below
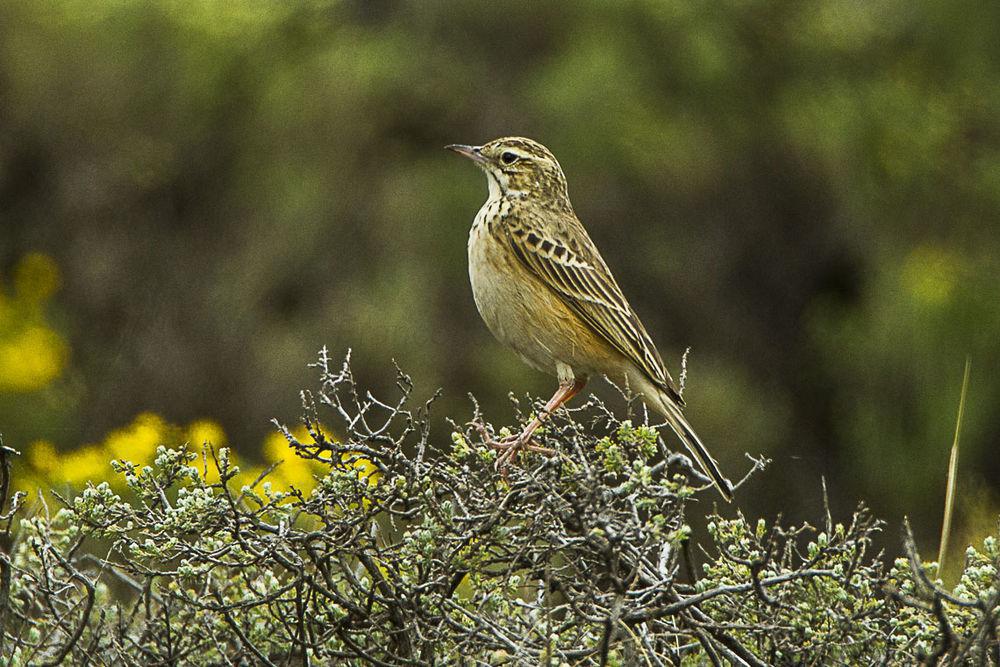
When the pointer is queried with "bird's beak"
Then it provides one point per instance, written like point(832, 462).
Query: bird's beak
point(471, 152)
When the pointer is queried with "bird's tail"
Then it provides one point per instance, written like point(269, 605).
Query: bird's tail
point(672, 412)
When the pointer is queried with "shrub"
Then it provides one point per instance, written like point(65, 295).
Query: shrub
point(411, 549)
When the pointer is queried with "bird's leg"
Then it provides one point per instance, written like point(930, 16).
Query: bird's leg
point(511, 445)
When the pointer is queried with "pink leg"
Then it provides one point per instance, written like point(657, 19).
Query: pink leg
point(513, 444)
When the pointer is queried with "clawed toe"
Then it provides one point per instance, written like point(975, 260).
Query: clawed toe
point(509, 446)
point(503, 444)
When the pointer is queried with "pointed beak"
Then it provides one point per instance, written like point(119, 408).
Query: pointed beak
point(471, 152)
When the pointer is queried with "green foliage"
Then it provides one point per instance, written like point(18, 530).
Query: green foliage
point(837, 618)
point(426, 554)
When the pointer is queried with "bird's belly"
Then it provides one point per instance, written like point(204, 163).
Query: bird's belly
point(524, 314)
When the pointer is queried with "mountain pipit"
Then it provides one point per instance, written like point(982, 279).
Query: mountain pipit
point(544, 290)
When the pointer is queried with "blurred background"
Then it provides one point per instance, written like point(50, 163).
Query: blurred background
point(195, 197)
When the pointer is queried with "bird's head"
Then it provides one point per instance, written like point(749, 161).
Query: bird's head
point(518, 167)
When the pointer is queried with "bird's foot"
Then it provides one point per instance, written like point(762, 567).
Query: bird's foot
point(510, 446)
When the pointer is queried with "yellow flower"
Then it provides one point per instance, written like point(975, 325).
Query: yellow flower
point(30, 359)
point(276, 447)
point(300, 472)
point(245, 477)
point(32, 355)
point(79, 466)
point(42, 456)
point(205, 431)
point(137, 442)
point(293, 471)
point(296, 472)
point(369, 471)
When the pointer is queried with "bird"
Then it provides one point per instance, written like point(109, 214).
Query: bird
point(543, 289)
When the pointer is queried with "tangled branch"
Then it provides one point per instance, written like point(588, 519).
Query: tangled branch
point(412, 550)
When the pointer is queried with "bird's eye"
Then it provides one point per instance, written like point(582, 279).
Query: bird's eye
point(508, 158)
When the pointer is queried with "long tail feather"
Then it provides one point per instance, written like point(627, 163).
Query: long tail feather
point(679, 424)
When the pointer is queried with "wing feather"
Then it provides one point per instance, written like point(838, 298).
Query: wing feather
point(580, 277)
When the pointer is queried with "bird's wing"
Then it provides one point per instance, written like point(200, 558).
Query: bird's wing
point(567, 261)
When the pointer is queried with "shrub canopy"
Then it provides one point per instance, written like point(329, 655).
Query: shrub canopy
point(412, 549)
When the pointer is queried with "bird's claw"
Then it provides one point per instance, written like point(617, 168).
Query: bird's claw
point(509, 446)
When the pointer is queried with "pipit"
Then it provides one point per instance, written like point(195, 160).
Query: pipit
point(544, 290)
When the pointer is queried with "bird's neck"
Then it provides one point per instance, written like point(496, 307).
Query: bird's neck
point(494, 209)
point(501, 199)
point(496, 189)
